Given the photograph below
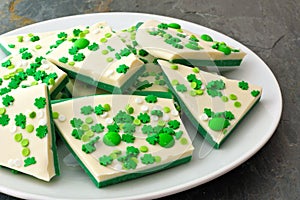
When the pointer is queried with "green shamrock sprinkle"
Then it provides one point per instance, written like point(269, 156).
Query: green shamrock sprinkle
point(214, 87)
point(174, 124)
point(99, 110)
point(6, 64)
point(144, 117)
point(93, 47)
point(79, 57)
point(73, 50)
point(152, 139)
point(151, 99)
point(243, 85)
point(40, 102)
point(97, 128)
point(29, 161)
point(131, 150)
point(158, 113)
point(147, 159)
point(125, 52)
point(105, 160)
point(4, 119)
point(86, 110)
point(129, 128)
point(122, 69)
point(76, 32)
point(34, 38)
point(181, 88)
point(63, 59)
point(123, 117)
point(20, 120)
point(163, 26)
point(62, 35)
point(128, 138)
point(76, 122)
point(26, 55)
point(147, 129)
point(7, 100)
point(77, 133)
point(113, 128)
point(41, 131)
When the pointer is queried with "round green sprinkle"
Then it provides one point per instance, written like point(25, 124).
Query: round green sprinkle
point(196, 70)
point(104, 52)
point(112, 139)
point(89, 120)
point(183, 141)
point(193, 93)
point(137, 122)
point(51, 81)
point(86, 31)
point(18, 137)
point(199, 92)
point(109, 59)
point(161, 123)
point(224, 98)
point(237, 104)
point(175, 67)
point(106, 107)
point(129, 109)
point(193, 85)
point(206, 37)
point(175, 82)
point(25, 142)
point(20, 38)
point(157, 159)
point(29, 128)
point(107, 35)
point(167, 109)
point(32, 115)
point(174, 25)
point(166, 140)
point(55, 115)
point(25, 151)
point(81, 43)
point(2, 111)
point(144, 149)
point(89, 133)
point(103, 40)
point(85, 127)
point(72, 63)
point(232, 97)
point(85, 138)
point(113, 155)
point(38, 46)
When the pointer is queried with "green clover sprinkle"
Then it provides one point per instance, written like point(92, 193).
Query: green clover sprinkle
point(29, 161)
point(105, 160)
point(34, 38)
point(123, 117)
point(62, 35)
point(99, 110)
point(6, 64)
point(144, 117)
point(86, 110)
point(174, 124)
point(147, 159)
point(113, 128)
point(151, 99)
point(97, 128)
point(157, 113)
point(78, 57)
point(63, 59)
point(7, 100)
point(40, 102)
point(214, 87)
point(26, 55)
point(128, 138)
point(4, 120)
point(76, 32)
point(243, 85)
point(125, 52)
point(73, 50)
point(41, 131)
point(181, 88)
point(93, 47)
point(129, 128)
point(77, 133)
point(20, 120)
point(76, 122)
point(206, 37)
point(122, 68)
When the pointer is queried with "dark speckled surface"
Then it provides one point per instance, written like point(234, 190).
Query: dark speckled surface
point(271, 28)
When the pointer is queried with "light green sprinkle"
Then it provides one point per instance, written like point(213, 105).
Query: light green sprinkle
point(11, 67)
point(2, 111)
point(19, 70)
point(71, 63)
point(199, 92)
point(90, 133)
point(183, 141)
point(30, 34)
point(55, 115)
point(144, 149)
point(85, 127)
point(193, 93)
point(51, 81)
point(25, 152)
point(137, 122)
point(237, 104)
point(86, 31)
point(20, 38)
point(175, 82)
point(224, 98)
point(107, 35)
point(103, 40)
point(18, 137)
point(29, 128)
point(106, 107)
point(193, 85)
point(38, 46)
point(196, 70)
point(232, 97)
point(6, 77)
point(89, 120)
point(161, 123)
point(167, 109)
point(104, 52)
point(175, 67)
point(109, 59)
point(25, 142)
point(157, 159)
point(85, 138)
point(34, 83)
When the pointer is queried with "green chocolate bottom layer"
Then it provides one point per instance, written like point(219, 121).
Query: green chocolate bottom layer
point(7, 52)
point(217, 63)
point(107, 87)
point(196, 124)
point(59, 88)
point(161, 94)
point(128, 176)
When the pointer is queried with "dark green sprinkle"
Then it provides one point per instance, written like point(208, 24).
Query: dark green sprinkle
point(206, 37)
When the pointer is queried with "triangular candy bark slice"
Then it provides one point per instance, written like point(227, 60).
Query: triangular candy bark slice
point(121, 137)
point(171, 42)
point(27, 142)
point(27, 69)
point(98, 57)
point(213, 103)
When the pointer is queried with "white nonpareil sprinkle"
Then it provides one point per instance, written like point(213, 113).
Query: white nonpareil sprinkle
point(154, 118)
point(104, 115)
point(157, 107)
point(26, 39)
point(39, 114)
point(203, 117)
point(13, 129)
point(109, 72)
point(18, 162)
point(24, 63)
point(11, 163)
point(202, 87)
point(43, 122)
point(174, 112)
point(96, 31)
point(109, 121)
point(144, 108)
point(61, 118)
point(138, 100)
point(166, 117)
point(45, 66)
point(44, 62)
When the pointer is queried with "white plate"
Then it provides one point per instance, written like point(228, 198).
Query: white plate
point(207, 164)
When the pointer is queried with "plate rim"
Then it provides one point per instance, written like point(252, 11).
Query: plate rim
point(181, 187)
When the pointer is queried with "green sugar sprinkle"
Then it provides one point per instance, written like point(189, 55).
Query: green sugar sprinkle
point(183, 141)
point(108, 35)
point(25, 142)
point(18, 137)
point(175, 67)
point(144, 149)
point(224, 98)
point(29, 128)
point(167, 109)
point(26, 152)
point(237, 104)
point(103, 40)
point(109, 59)
point(38, 46)
point(232, 97)
point(104, 52)
point(89, 120)
point(2, 111)
point(55, 115)
point(196, 70)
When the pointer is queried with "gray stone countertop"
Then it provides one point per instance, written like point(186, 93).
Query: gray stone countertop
point(271, 28)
